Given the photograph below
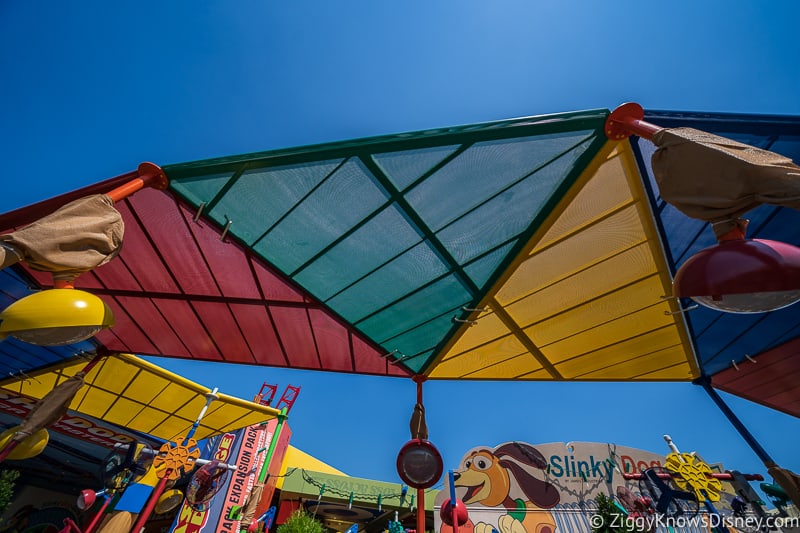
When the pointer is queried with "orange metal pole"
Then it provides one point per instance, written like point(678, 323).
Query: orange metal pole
point(626, 120)
point(150, 175)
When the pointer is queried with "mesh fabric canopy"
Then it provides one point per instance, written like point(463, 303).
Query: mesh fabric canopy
point(527, 249)
point(132, 393)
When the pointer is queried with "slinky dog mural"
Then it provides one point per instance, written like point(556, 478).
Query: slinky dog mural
point(517, 487)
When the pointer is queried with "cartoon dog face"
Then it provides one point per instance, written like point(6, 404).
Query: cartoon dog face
point(485, 480)
point(486, 475)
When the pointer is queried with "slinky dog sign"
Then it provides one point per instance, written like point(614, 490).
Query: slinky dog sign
point(516, 487)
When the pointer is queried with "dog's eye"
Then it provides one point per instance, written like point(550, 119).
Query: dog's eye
point(482, 463)
point(467, 464)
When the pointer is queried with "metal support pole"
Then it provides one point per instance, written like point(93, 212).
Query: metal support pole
point(96, 519)
point(150, 175)
point(262, 475)
point(748, 437)
point(421, 510)
point(264, 472)
point(419, 379)
point(452, 479)
point(626, 120)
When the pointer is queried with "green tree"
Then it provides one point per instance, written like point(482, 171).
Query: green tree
point(609, 518)
point(301, 522)
point(7, 480)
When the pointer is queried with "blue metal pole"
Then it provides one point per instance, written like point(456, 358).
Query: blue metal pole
point(762, 454)
point(453, 500)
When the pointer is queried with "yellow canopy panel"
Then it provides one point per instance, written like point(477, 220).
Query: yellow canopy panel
point(125, 390)
point(587, 301)
point(296, 458)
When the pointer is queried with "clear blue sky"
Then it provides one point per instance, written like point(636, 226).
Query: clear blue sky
point(89, 89)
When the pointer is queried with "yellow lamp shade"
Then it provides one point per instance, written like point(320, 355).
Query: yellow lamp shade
point(31, 446)
point(56, 317)
point(168, 501)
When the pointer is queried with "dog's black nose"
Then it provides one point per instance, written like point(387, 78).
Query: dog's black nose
point(456, 475)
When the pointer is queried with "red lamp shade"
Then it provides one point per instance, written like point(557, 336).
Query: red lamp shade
point(448, 512)
point(419, 464)
point(741, 276)
point(86, 499)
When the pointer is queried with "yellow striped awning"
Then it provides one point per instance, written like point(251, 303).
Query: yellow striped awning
point(128, 391)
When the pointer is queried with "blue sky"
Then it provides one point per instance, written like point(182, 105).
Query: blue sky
point(90, 89)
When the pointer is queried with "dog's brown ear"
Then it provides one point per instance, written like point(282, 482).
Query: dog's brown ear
point(523, 453)
point(541, 493)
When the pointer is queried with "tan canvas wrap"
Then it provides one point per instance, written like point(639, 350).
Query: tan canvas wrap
point(249, 511)
point(717, 179)
point(74, 239)
point(788, 481)
point(51, 408)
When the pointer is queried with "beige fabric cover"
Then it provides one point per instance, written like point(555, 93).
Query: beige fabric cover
point(419, 428)
point(717, 180)
point(788, 481)
point(251, 506)
point(76, 238)
point(50, 408)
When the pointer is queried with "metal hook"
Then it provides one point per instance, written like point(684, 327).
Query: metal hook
point(749, 358)
point(480, 310)
point(25, 377)
point(468, 322)
point(11, 249)
point(389, 354)
point(199, 211)
point(86, 356)
point(227, 227)
point(735, 366)
point(682, 310)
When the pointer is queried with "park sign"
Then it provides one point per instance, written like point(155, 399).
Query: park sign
point(78, 426)
point(543, 486)
point(245, 448)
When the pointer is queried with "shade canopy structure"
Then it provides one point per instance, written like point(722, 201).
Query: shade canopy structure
point(132, 393)
point(525, 249)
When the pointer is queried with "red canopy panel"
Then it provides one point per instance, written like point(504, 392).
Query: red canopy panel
point(770, 380)
point(179, 289)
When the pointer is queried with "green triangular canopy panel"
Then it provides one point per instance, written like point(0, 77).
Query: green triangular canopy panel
point(397, 235)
